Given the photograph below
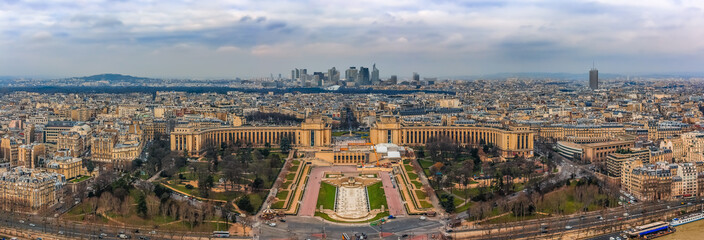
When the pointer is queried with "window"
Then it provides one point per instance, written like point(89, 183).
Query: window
point(312, 138)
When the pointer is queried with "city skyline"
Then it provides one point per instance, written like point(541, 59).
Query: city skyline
point(436, 38)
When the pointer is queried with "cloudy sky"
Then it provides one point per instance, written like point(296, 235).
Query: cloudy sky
point(240, 38)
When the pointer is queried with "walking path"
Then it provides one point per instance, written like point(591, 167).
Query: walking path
point(393, 198)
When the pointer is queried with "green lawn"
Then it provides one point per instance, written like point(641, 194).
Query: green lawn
point(290, 176)
point(462, 208)
point(377, 198)
point(80, 179)
point(417, 184)
point(278, 205)
point(183, 188)
point(257, 199)
point(421, 194)
point(408, 168)
point(425, 163)
point(294, 169)
point(458, 201)
point(326, 196)
point(412, 176)
point(286, 184)
point(225, 196)
point(281, 195)
point(461, 192)
point(425, 204)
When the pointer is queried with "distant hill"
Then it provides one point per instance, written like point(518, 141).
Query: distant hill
point(111, 77)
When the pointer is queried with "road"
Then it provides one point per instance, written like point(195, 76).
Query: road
point(312, 228)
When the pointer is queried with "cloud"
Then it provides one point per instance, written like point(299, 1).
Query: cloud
point(41, 36)
point(434, 36)
point(225, 49)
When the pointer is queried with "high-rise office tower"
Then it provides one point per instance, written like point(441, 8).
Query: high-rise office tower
point(293, 74)
point(351, 74)
point(363, 76)
point(393, 80)
point(416, 77)
point(333, 76)
point(375, 75)
point(318, 78)
point(593, 78)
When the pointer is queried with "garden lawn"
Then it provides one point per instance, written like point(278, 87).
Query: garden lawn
point(377, 198)
point(326, 196)
point(281, 195)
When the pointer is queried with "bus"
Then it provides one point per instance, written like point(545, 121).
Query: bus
point(651, 230)
point(221, 234)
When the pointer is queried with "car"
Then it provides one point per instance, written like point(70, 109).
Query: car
point(423, 218)
point(152, 232)
point(61, 232)
point(404, 235)
point(612, 238)
point(600, 217)
point(568, 227)
point(32, 225)
point(282, 220)
point(272, 224)
point(21, 221)
point(123, 236)
point(103, 234)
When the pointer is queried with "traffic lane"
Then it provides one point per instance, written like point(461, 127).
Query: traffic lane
point(78, 230)
point(554, 229)
point(401, 225)
point(610, 213)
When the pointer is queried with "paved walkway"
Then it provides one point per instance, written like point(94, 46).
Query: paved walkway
point(393, 198)
point(310, 196)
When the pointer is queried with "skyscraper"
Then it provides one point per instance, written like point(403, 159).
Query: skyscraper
point(416, 77)
point(593, 78)
point(393, 80)
point(318, 79)
point(375, 75)
point(333, 76)
point(351, 74)
point(363, 76)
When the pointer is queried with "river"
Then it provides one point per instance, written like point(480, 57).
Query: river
point(690, 231)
